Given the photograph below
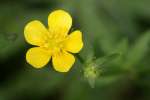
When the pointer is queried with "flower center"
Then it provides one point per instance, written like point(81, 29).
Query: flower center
point(53, 45)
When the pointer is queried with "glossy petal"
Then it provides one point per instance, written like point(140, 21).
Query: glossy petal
point(35, 33)
point(74, 42)
point(63, 61)
point(59, 23)
point(37, 57)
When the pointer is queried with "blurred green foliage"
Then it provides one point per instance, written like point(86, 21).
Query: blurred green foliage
point(108, 26)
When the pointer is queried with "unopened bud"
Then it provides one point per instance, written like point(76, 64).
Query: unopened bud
point(91, 73)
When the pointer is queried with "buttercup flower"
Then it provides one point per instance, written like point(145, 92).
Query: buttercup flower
point(54, 42)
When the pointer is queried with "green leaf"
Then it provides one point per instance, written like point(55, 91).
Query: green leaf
point(97, 32)
point(138, 51)
point(107, 80)
point(103, 60)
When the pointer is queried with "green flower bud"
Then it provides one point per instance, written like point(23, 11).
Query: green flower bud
point(91, 73)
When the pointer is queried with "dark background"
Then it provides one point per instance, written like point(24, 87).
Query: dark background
point(108, 26)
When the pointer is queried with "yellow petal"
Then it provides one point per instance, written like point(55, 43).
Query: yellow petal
point(59, 23)
point(63, 61)
point(74, 42)
point(37, 57)
point(35, 33)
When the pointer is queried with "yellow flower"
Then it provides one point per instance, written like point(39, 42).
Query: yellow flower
point(53, 42)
